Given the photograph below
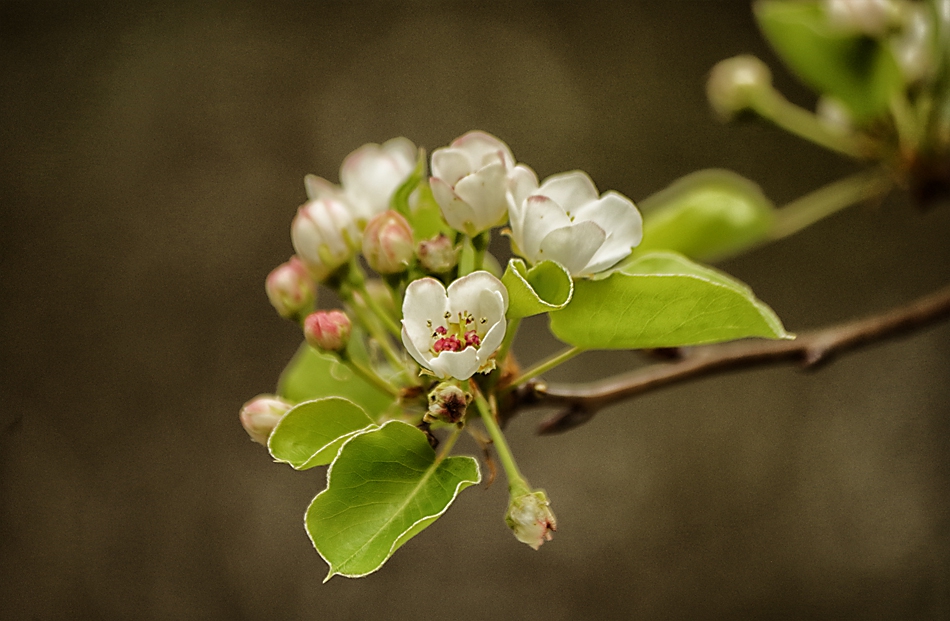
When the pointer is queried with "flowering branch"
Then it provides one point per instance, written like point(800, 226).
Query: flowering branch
point(810, 349)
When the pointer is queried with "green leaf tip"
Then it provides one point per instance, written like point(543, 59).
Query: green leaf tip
point(708, 214)
point(545, 287)
point(663, 299)
point(311, 433)
point(384, 487)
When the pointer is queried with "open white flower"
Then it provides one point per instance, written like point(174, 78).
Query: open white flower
point(470, 180)
point(455, 333)
point(369, 177)
point(564, 220)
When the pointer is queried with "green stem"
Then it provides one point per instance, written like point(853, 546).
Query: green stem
point(369, 375)
point(449, 443)
point(545, 366)
point(516, 481)
point(823, 202)
point(480, 245)
point(771, 105)
point(373, 328)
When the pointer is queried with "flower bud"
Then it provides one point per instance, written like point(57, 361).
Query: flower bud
point(437, 255)
point(327, 330)
point(387, 243)
point(261, 414)
point(734, 83)
point(531, 519)
point(325, 235)
point(290, 289)
point(447, 403)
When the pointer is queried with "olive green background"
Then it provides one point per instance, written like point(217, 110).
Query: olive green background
point(152, 158)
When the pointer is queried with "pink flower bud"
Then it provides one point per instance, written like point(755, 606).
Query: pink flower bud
point(327, 330)
point(438, 255)
point(261, 414)
point(290, 289)
point(387, 243)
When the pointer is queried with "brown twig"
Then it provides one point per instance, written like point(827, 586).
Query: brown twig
point(810, 349)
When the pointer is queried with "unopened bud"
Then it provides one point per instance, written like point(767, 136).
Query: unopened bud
point(834, 115)
point(327, 330)
point(531, 519)
point(437, 255)
point(735, 82)
point(325, 235)
point(867, 17)
point(261, 414)
point(290, 289)
point(913, 47)
point(387, 243)
point(447, 403)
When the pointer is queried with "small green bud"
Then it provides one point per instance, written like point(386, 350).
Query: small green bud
point(437, 255)
point(447, 403)
point(735, 82)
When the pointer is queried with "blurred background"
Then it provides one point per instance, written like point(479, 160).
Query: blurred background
point(152, 158)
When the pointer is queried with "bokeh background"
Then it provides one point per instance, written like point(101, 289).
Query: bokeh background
point(152, 159)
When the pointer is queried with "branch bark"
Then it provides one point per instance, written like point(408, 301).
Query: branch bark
point(810, 349)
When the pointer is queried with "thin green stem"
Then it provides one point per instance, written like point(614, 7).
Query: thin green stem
point(771, 105)
point(516, 481)
point(449, 443)
point(388, 322)
point(510, 332)
point(376, 332)
point(370, 376)
point(545, 366)
point(480, 244)
point(814, 206)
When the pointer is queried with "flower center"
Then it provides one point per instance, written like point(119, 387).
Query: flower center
point(456, 335)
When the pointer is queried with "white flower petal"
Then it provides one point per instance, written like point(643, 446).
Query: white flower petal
point(401, 149)
point(317, 187)
point(522, 181)
point(482, 149)
point(464, 292)
point(485, 192)
point(570, 190)
point(424, 359)
point(423, 309)
point(455, 211)
point(450, 165)
point(541, 216)
point(573, 246)
point(619, 217)
point(491, 341)
point(458, 364)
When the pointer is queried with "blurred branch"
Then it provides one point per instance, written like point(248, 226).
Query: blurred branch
point(809, 349)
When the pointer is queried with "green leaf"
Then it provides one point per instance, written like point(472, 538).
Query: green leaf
point(706, 215)
point(425, 215)
point(311, 375)
point(663, 299)
point(384, 487)
point(857, 70)
point(544, 288)
point(311, 433)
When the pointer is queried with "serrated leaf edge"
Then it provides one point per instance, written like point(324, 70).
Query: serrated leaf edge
point(392, 549)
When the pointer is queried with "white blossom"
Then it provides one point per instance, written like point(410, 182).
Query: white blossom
point(369, 177)
point(455, 332)
point(564, 220)
point(470, 180)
